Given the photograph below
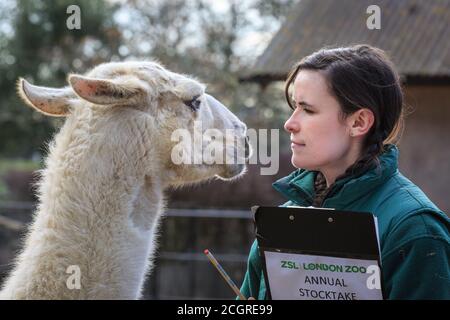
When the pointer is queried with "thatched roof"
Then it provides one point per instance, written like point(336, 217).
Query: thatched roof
point(415, 33)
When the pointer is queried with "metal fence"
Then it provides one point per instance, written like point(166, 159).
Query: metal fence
point(181, 270)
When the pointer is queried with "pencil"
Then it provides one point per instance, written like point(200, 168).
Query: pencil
point(224, 274)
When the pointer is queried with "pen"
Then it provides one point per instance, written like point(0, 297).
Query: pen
point(224, 274)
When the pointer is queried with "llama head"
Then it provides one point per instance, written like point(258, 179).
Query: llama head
point(155, 116)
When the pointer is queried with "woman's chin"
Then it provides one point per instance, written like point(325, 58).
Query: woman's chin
point(301, 164)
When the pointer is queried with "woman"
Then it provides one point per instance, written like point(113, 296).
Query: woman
point(347, 113)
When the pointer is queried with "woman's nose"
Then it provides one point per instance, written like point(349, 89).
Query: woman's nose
point(292, 124)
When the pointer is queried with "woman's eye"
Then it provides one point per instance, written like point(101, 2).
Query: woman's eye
point(194, 103)
point(305, 109)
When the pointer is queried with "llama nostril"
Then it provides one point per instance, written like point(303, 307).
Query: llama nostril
point(241, 127)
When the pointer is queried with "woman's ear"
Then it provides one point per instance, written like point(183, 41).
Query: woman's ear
point(360, 122)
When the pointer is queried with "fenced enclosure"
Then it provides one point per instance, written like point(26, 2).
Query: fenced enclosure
point(181, 270)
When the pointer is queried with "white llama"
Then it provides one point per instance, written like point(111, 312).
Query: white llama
point(101, 193)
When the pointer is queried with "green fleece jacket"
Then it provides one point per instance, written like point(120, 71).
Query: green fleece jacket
point(414, 232)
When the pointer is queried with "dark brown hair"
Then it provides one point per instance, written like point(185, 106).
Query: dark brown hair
point(359, 76)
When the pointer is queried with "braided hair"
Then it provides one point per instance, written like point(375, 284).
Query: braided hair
point(359, 76)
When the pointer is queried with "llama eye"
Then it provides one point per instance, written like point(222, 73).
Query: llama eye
point(194, 104)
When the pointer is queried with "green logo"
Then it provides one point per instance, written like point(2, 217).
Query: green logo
point(288, 265)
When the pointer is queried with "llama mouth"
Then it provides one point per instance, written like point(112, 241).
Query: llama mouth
point(233, 172)
point(248, 149)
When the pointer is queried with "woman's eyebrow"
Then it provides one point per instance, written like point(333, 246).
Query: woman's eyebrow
point(303, 103)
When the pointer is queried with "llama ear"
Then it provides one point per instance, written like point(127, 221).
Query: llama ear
point(49, 101)
point(105, 91)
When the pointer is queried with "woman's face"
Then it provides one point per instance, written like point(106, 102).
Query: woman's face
point(320, 139)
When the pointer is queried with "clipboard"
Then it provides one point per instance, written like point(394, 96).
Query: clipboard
point(318, 253)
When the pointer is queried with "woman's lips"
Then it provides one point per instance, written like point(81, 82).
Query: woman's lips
point(297, 145)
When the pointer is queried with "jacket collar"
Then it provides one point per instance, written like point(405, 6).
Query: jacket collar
point(299, 185)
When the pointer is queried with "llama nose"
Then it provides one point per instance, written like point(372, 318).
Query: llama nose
point(240, 126)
